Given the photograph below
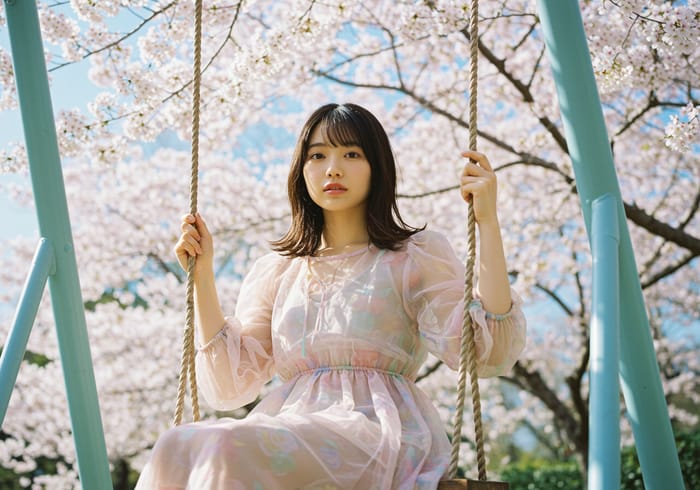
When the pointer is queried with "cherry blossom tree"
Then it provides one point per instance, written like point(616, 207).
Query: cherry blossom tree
point(266, 65)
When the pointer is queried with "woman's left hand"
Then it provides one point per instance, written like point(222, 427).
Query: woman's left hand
point(478, 185)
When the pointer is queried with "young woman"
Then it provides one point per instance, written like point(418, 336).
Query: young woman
point(344, 312)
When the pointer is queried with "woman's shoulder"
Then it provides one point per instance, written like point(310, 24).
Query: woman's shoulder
point(427, 239)
point(273, 260)
point(429, 248)
point(271, 264)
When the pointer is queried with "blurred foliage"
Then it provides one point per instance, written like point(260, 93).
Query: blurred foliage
point(567, 475)
point(543, 475)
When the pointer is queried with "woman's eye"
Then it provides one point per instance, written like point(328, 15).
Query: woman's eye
point(353, 154)
point(315, 156)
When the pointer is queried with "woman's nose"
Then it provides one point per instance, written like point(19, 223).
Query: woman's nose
point(333, 171)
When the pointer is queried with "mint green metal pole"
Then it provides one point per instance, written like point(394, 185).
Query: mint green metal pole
point(589, 149)
point(16, 345)
point(604, 400)
point(54, 225)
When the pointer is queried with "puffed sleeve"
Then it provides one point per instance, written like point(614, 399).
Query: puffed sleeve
point(234, 365)
point(434, 294)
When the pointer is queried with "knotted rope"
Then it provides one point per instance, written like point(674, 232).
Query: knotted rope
point(187, 364)
point(467, 356)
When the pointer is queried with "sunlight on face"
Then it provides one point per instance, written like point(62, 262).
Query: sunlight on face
point(337, 177)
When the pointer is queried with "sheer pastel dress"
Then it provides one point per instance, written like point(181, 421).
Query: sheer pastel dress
point(347, 335)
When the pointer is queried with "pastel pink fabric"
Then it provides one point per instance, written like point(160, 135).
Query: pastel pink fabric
point(347, 335)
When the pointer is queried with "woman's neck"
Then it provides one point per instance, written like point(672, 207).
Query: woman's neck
point(342, 233)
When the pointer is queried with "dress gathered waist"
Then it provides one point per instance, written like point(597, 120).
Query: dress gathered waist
point(325, 369)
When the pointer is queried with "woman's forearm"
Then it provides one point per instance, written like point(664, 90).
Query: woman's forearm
point(210, 317)
point(493, 286)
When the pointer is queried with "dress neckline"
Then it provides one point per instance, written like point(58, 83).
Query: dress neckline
point(343, 255)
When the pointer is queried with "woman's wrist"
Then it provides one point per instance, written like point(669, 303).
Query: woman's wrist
point(489, 224)
point(204, 270)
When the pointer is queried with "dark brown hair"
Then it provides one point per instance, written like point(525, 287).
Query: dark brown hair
point(344, 125)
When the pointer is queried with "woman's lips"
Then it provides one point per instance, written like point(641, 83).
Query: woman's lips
point(334, 188)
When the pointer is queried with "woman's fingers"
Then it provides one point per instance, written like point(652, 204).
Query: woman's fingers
point(472, 186)
point(185, 250)
point(195, 226)
point(478, 185)
point(189, 240)
point(475, 170)
point(193, 243)
point(188, 219)
point(201, 225)
point(187, 246)
point(189, 223)
point(478, 157)
point(190, 230)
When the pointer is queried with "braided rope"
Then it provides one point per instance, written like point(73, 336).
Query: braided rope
point(467, 356)
point(187, 368)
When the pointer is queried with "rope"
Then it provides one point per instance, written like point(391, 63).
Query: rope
point(187, 368)
point(467, 356)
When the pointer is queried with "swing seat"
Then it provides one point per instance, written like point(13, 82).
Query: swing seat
point(461, 484)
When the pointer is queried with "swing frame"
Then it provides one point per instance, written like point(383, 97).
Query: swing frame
point(575, 82)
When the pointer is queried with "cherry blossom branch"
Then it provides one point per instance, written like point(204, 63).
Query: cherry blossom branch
point(525, 37)
point(557, 299)
point(168, 269)
point(451, 188)
point(395, 56)
point(307, 11)
point(509, 15)
point(632, 211)
point(524, 90)
point(427, 193)
point(368, 54)
point(673, 234)
point(217, 52)
point(554, 450)
point(691, 212)
point(524, 156)
point(637, 14)
point(119, 40)
point(165, 267)
point(431, 369)
point(533, 382)
point(536, 66)
point(624, 41)
point(176, 93)
point(668, 270)
point(652, 260)
point(246, 227)
point(651, 104)
point(582, 297)
point(574, 380)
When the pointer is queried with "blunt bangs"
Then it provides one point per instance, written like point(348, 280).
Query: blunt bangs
point(343, 127)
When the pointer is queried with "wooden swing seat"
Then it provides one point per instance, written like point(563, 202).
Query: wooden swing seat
point(461, 484)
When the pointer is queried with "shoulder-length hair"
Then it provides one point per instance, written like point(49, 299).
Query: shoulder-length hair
point(345, 125)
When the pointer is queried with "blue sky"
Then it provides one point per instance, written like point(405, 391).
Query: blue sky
point(70, 88)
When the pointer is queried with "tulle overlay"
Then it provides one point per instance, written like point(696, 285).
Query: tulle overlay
point(347, 335)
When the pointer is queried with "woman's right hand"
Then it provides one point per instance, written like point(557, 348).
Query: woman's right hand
point(195, 241)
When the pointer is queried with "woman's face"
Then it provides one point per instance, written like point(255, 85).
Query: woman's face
point(337, 177)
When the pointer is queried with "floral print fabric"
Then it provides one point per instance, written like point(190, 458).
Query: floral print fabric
point(346, 334)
